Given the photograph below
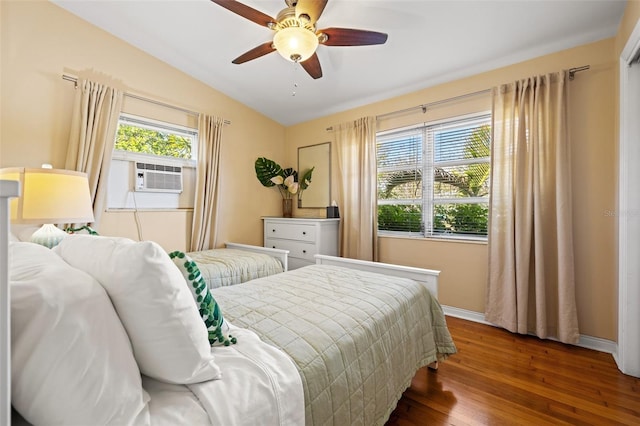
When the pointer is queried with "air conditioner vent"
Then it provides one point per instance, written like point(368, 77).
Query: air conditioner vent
point(158, 177)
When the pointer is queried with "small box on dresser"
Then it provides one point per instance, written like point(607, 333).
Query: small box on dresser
point(303, 237)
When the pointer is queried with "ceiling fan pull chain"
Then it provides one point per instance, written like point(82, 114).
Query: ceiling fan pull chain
point(295, 74)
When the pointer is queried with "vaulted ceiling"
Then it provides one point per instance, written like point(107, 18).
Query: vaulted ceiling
point(430, 42)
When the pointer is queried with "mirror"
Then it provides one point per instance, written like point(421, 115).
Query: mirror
point(318, 194)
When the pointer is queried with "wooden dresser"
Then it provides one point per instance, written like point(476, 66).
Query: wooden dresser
point(303, 237)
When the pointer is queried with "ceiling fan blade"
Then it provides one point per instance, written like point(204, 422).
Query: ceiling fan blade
point(246, 12)
point(312, 66)
point(254, 53)
point(312, 8)
point(351, 37)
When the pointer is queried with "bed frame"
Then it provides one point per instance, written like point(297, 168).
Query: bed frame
point(427, 277)
point(8, 189)
point(281, 255)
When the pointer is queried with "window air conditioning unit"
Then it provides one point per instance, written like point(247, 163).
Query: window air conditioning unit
point(158, 178)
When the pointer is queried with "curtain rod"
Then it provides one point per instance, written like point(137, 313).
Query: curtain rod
point(573, 71)
point(423, 107)
point(427, 105)
point(142, 98)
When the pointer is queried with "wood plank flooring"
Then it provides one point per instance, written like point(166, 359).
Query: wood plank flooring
point(500, 378)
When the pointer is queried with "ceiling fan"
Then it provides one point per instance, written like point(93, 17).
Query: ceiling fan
point(296, 37)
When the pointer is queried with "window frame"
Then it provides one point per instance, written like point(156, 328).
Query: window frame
point(151, 124)
point(427, 167)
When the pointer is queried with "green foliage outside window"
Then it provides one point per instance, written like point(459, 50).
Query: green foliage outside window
point(476, 176)
point(405, 218)
point(467, 219)
point(147, 141)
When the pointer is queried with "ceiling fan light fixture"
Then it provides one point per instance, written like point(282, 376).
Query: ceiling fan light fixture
point(295, 44)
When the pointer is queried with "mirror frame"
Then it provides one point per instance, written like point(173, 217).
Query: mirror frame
point(322, 163)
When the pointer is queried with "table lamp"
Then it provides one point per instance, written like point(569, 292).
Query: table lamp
point(49, 196)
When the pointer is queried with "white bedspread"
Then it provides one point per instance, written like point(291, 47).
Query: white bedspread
point(260, 385)
point(224, 266)
point(357, 338)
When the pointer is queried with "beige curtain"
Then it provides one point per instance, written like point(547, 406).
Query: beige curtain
point(203, 229)
point(531, 285)
point(355, 144)
point(92, 137)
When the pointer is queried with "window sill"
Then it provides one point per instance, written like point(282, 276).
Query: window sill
point(448, 239)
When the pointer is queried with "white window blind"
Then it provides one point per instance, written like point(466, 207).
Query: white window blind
point(400, 189)
point(434, 180)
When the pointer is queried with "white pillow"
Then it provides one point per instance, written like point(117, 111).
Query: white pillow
point(169, 338)
point(71, 359)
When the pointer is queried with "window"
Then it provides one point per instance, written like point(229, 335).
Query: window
point(433, 180)
point(145, 136)
point(153, 165)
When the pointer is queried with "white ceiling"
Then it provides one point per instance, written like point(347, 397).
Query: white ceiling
point(430, 42)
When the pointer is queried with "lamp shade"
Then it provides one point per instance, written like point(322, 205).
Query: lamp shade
point(295, 44)
point(50, 196)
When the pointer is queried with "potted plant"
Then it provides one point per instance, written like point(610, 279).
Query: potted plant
point(269, 173)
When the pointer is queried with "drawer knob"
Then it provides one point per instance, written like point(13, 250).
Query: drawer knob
point(273, 247)
point(273, 230)
point(304, 232)
point(304, 251)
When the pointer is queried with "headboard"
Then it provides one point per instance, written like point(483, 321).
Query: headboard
point(427, 277)
point(281, 255)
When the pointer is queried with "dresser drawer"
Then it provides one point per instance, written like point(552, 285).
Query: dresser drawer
point(299, 232)
point(296, 249)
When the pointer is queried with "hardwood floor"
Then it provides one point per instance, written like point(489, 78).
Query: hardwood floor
point(500, 378)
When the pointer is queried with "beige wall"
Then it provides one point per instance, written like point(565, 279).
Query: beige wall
point(41, 41)
point(594, 170)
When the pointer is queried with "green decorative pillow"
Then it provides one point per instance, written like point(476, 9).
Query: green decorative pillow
point(209, 308)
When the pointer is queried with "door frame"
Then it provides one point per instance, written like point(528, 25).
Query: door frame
point(628, 354)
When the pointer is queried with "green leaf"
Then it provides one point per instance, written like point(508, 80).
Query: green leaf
point(266, 169)
point(306, 178)
point(289, 172)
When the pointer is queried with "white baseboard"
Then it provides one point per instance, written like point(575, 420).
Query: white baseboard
point(598, 344)
point(595, 343)
point(465, 314)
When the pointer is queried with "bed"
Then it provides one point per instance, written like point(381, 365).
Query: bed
point(119, 340)
point(237, 263)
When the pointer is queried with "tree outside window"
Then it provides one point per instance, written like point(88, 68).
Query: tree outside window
point(149, 137)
